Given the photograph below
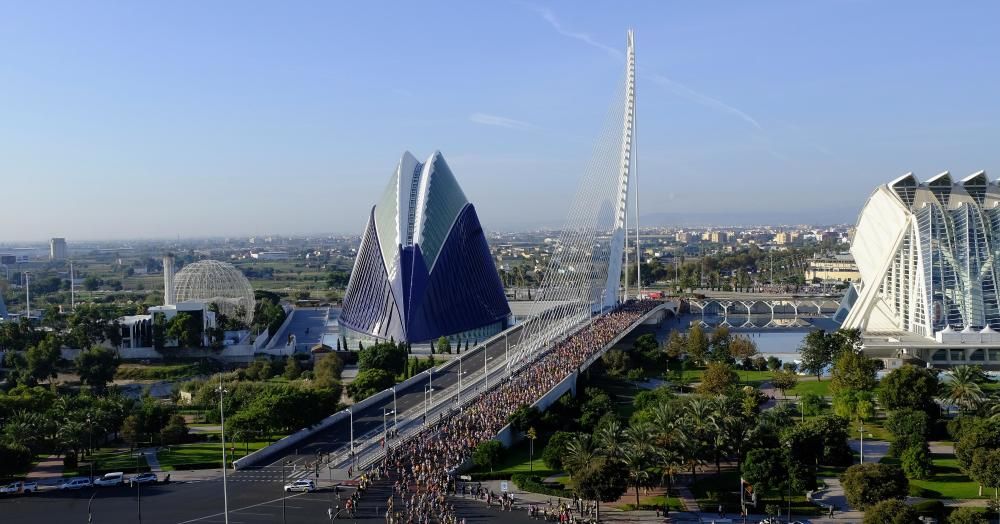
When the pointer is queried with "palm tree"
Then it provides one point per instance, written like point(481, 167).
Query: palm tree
point(963, 389)
point(609, 440)
point(580, 454)
point(636, 460)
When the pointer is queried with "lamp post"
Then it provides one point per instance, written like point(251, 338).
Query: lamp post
point(284, 480)
point(394, 410)
point(459, 382)
point(351, 413)
point(385, 429)
point(225, 487)
point(90, 503)
point(789, 482)
point(861, 430)
point(427, 393)
point(486, 372)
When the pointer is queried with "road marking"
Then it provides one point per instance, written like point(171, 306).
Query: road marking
point(206, 517)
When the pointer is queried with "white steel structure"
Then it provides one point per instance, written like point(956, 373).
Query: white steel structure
point(585, 270)
point(212, 281)
point(927, 255)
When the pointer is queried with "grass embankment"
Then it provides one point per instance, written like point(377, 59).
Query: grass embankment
point(650, 503)
point(157, 372)
point(516, 460)
point(816, 387)
point(204, 455)
point(107, 460)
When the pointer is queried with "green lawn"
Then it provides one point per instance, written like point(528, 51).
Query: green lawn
point(108, 459)
point(516, 461)
point(202, 455)
point(948, 481)
point(650, 503)
point(818, 387)
point(709, 488)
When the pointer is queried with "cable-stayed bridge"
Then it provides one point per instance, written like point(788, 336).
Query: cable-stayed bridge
point(583, 309)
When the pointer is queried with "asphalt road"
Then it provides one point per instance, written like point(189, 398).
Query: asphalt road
point(250, 502)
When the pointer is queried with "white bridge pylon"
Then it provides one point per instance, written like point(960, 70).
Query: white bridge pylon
point(584, 272)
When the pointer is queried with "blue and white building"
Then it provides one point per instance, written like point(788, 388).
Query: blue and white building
point(424, 269)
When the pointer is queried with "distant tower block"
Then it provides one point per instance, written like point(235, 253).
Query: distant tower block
point(169, 298)
point(57, 249)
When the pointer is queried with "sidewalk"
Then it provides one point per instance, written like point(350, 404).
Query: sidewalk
point(47, 470)
point(151, 459)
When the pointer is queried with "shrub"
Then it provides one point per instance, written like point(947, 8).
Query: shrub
point(534, 484)
point(811, 404)
point(891, 512)
point(909, 427)
point(488, 454)
point(554, 451)
point(966, 515)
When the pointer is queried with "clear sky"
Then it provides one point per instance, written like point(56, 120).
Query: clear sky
point(191, 118)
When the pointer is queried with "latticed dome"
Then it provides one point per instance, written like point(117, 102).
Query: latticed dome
point(212, 281)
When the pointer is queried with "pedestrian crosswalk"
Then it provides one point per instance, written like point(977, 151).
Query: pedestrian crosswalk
point(264, 475)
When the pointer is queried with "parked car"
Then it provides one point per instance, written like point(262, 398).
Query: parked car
point(301, 485)
point(142, 478)
point(110, 479)
point(19, 487)
point(75, 483)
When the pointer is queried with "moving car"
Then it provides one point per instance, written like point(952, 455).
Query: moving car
point(75, 483)
point(19, 487)
point(142, 478)
point(301, 485)
point(111, 479)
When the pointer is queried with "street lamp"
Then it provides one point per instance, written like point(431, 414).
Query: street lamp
point(861, 430)
point(222, 420)
point(385, 430)
point(428, 391)
point(789, 481)
point(394, 410)
point(284, 480)
point(351, 413)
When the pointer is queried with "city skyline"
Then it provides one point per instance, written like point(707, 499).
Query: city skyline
point(231, 122)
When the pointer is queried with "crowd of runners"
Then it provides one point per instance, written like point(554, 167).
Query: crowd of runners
point(422, 468)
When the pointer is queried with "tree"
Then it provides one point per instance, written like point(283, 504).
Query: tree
point(909, 387)
point(976, 434)
point(868, 484)
point(962, 389)
point(555, 449)
point(368, 382)
point(41, 359)
point(676, 344)
point(719, 344)
point(909, 427)
point(784, 380)
point(488, 454)
point(811, 404)
point(718, 378)
point(773, 363)
point(185, 329)
point(384, 356)
point(815, 353)
point(292, 369)
point(854, 372)
point(327, 370)
point(742, 348)
point(15, 459)
point(763, 469)
point(159, 331)
point(916, 462)
point(697, 343)
point(443, 345)
point(96, 367)
point(985, 470)
point(175, 432)
point(603, 481)
point(891, 512)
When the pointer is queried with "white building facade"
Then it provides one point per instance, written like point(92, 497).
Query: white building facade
point(927, 253)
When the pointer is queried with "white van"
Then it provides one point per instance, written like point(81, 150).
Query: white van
point(111, 479)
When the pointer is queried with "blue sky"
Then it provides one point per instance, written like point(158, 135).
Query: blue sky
point(143, 119)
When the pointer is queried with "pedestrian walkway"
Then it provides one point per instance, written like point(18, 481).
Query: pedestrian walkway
point(151, 459)
point(49, 468)
point(687, 499)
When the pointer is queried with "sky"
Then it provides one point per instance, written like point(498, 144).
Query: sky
point(193, 119)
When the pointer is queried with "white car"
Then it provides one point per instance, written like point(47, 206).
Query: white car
point(110, 479)
point(19, 487)
point(142, 478)
point(75, 483)
point(301, 485)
